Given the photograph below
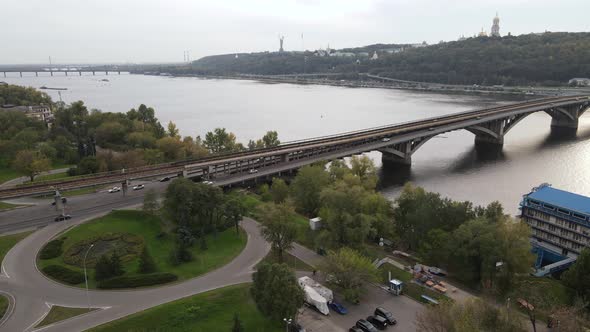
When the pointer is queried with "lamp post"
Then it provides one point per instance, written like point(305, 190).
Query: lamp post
point(287, 323)
point(86, 276)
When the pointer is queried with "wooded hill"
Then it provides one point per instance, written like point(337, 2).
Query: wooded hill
point(533, 59)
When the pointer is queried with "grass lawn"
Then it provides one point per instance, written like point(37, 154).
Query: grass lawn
point(8, 206)
point(48, 177)
point(3, 305)
point(221, 249)
point(210, 311)
point(8, 174)
point(411, 289)
point(555, 294)
point(293, 262)
point(8, 241)
point(57, 314)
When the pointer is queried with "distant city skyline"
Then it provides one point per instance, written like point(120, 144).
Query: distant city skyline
point(163, 31)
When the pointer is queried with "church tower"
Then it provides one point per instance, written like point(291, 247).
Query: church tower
point(496, 27)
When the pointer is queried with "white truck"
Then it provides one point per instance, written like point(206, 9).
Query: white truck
point(316, 295)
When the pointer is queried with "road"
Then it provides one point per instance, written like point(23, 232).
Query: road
point(34, 293)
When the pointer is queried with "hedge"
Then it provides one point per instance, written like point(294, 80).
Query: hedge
point(134, 281)
point(64, 274)
point(52, 249)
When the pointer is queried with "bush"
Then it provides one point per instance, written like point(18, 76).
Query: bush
point(141, 280)
point(52, 249)
point(64, 274)
point(108, 267)
point(146, 262)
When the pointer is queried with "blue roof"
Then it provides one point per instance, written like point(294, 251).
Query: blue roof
point(563, 199)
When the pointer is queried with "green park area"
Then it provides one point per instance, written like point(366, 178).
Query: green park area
point(8, 241)
point(136, 239)
point(210, 311)
point(3, 305)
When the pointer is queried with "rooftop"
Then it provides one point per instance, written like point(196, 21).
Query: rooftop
point(561, 198)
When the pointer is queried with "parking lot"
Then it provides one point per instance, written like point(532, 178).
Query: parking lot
point(403, 308)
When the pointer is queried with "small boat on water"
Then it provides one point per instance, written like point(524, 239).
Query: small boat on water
point(47, 88)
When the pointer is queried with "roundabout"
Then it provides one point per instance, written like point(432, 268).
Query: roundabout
point(34, 294)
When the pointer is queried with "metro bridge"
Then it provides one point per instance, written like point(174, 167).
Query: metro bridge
point(397, 143)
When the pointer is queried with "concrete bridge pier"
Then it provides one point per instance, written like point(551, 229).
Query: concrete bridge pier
point(400, 154)
point(394, 160)
point(566, 117)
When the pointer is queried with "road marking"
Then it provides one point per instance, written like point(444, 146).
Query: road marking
point(4, 272)
point(10, 309)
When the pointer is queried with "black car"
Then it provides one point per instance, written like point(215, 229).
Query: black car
point(63, 200)
point(164, 179)
point(62, 217)
point(295, 327)
point(385, 314)
point(378, 321)
point(365, 326)
point(355, 329)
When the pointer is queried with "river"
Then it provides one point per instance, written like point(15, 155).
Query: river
point(447, 164)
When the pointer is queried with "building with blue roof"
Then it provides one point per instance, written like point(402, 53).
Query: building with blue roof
point(560, 223)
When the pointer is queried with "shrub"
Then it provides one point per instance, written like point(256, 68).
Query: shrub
point(108, 267)
point(146, 262)
point(140, 280)
point(52, 249)
point(64, 274)
point(127, 246)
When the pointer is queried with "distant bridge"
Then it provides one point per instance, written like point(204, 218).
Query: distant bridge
point(397, 143)
point(71, 69)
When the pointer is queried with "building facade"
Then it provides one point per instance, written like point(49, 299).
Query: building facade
point(560, 223)
point(42, 113)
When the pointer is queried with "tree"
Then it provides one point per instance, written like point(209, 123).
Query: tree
point(238, 326)
point(173, 131)
point(171, 147)
point(31, 163)
point(234, 210)
point(116, 268)
point(150, 202)
point(577, 276)
point(88, 165)
point(279, 190)
point(350, 270)
point(276, 292)
point(146, 262)
point(270, 139)
point(278, 227)
point(219, 141)
point(472, 315)
point(362, 167)
point(102, 269)
point(306, 188)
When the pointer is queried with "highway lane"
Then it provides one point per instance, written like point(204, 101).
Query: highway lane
point(43, 213)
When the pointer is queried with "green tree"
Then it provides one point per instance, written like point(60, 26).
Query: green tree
point(31, 163)
point(270, 139)
point(306, 188)
point(238, 326)
point(219, 141)
point(88, 165)
point(350, 270)
point(234, 210)
point(362, 167)
point(278, 226)
point(276, 292)
point(116, 268)
point(279, 190)
point(102, 269)
point(577, 276)
point(173, 131)
point(150, 202)
point(146, 262)
point(171, 148)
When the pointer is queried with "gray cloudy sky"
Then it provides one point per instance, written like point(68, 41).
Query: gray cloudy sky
point(86, 31)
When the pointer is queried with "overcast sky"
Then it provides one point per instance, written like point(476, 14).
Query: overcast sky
point(98, 31)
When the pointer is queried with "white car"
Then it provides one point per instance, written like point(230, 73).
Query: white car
point(386, 139)
point(114, 189)
point(252, 171)
point(208, 182)
point(138, 187)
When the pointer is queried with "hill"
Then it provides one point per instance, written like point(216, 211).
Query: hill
point(533, 59)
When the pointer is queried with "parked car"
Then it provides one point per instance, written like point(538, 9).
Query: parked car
point(62, 217)
point(63, 200)
point(339, 308)
point(295, 327)
point(379, 311)
point(378, 321)
point(138, 187)
point(355, 329)
point(365, 326)
point(253, 170)
point(164, 179)
point(114, 189)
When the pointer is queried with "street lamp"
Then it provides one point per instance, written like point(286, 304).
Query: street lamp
point(287, 323)
point(86, 276)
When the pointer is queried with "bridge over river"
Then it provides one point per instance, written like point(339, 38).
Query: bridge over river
point(397, 143)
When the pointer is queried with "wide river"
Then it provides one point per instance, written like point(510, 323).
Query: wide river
point(447, 164)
